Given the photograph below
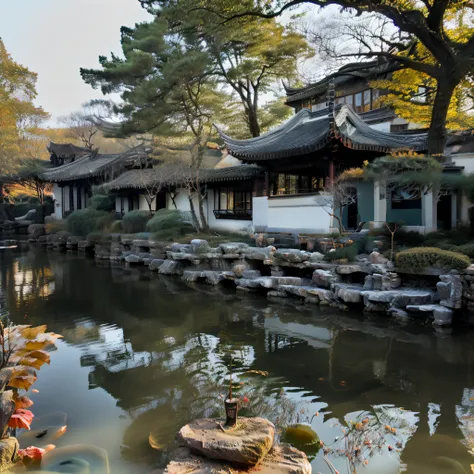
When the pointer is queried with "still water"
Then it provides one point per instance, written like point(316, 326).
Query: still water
point(145, 354)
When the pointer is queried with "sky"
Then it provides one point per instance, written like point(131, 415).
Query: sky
point(54, 38)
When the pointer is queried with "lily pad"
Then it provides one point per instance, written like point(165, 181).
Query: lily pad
point(302, 437)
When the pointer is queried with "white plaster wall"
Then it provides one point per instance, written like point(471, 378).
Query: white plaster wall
point(118, 204)
point(58, 203)
point(260, 212)
point(299, 213)
point(466, 160)
point(380, 204)
point(143, 204)
point(181, 200)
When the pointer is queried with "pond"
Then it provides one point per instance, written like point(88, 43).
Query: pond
point(145, 354)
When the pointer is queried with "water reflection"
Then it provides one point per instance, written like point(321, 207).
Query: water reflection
point(146, 354)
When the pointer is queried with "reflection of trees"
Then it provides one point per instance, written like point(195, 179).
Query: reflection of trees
point(161, 350)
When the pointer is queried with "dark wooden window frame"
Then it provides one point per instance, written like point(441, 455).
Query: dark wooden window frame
point(239, 195)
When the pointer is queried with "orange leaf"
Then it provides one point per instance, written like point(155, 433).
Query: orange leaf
point(23, 402)
point(32, 452)
point(21, 419)
point(154, 443)
point(33, 333)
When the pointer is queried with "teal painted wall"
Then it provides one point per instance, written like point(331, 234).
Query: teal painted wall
point(407, 216)
point(365, 200)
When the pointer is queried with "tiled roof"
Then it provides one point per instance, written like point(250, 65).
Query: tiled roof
point(64, 150)
point(307, 132)
point(170, 174)
point(347, 73)
point(91, 166)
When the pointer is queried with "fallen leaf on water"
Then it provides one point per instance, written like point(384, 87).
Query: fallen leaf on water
point(321, 379)
point(154, 443)
point(342, 383)
point(35, 390)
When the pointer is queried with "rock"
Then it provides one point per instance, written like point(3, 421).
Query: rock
point(251, 274)
point(280, 460)
point(412, 297)
point(398, 313)
point(264, 254)
point(8, 452)
point(322, 294)
point(156, 264)
point(7, 407)
point(181, 248)
point(348, 269)
point(36, 230)
point(277, 294)
point(377, 268)
point(260, 240)
point(377, 259)
point(268, 282)
point(300, 291)
point(369, 282)
point(133, 259)
point(147, 261)
point(233, 247)
point(442, 316)
point(386, 281)
point(5, 375)
point(312, 300)
point(291, 255)
point(347, 293)
point(210, 277)
point(450, 291)
point(246, 444)
point(324, 278)
point(169, 267)
point(316, 257)
point(239, 268)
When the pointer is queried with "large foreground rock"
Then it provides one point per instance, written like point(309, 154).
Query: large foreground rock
point(280, 460)
point(246, 444)
point(8, 453)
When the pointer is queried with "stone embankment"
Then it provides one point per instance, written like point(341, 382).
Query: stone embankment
point(208, 446)
point(371, 283)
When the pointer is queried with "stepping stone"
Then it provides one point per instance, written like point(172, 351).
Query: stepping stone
point(246, 444)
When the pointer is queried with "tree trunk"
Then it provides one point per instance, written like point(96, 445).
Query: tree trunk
point(194, 218)
point(253, 122)
point(202, 214)
point(437, 134)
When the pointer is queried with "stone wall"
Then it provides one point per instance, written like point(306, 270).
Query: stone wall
point(372, 283)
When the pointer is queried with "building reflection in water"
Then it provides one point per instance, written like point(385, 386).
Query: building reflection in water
point(161, 351)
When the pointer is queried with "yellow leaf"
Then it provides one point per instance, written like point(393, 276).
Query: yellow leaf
point(22, 382)
point(32, 362)
point(32, 333)
point(258, 372)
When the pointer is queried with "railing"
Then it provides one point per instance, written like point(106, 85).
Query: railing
point(235, 214)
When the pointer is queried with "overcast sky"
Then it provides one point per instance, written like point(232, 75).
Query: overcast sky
point(54, 38)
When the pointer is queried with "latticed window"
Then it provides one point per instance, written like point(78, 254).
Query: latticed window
point(233, 203)
point(284, 184)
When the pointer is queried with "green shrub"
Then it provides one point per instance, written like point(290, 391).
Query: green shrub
point(466, 249)
point(422, 257)
point(102, 202)
point(85, 221)
point(409, 238)
point(55, 225)
point(348, 252)
point(169, 225)
point(135, 221)
point(116, 227)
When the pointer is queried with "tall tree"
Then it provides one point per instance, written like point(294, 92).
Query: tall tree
point(444, 28)
point(167, 89)
point(251, 56)
point(19, 117)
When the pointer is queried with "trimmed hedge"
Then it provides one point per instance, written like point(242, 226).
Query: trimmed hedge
point(422, 257)
point(102, 202)
point(135, 221)
point(466, 249)
point(86, 221)
point(169, 225)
